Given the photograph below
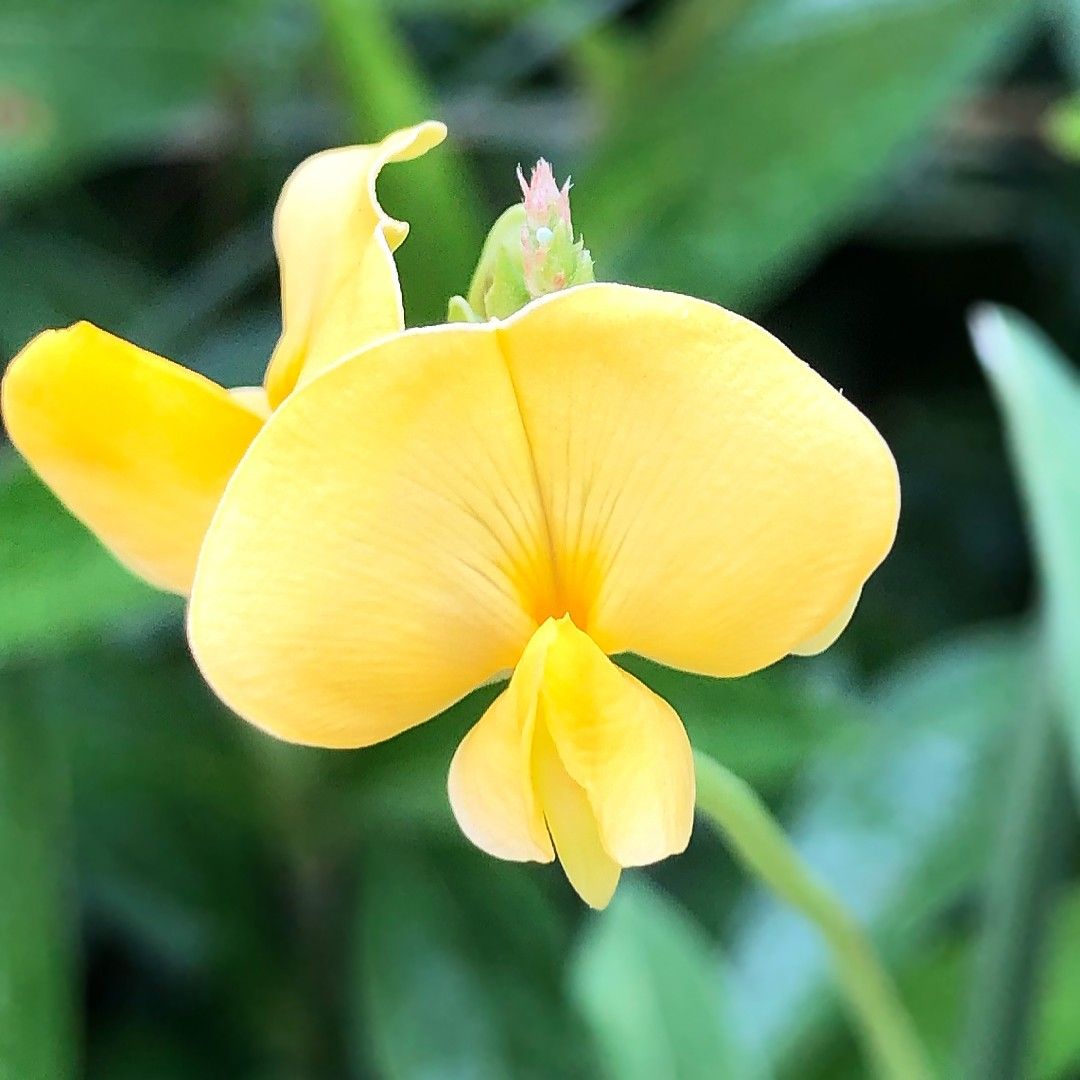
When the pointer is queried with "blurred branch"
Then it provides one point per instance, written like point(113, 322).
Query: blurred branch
point(759, 843)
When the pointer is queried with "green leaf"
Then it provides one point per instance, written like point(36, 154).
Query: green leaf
point(896, 822)
point(807, 108)
point(1038, 392)
point(457, 969)
point(59, 586)
point(759, 842)
point(37, 1019)
point(656, 994)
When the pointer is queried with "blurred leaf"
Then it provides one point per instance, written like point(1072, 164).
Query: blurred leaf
point(399, 786)
point(655, 993)
point(37, 997)
point(896, 822)
point(1056, 1042)
point(1039, 395)
point(78, 81)
point(185, 828)
point(1023, 876)
point(475, 9)
point(181, 318)
point(1061, 126)
point(48, 279)
point(59, 586)
point(760, 844)
point(721, 175)
point(457, 970)
point(937, 983)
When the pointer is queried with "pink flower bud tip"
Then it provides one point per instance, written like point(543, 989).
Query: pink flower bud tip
point(545, 201)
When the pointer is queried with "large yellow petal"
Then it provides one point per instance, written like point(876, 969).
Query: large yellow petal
point(381, 549)
point(137, 447)
point(624, 746)
point(711, 501)
point(339, 285)
point(491, 784)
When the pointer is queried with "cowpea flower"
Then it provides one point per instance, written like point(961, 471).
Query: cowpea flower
point(400, 516)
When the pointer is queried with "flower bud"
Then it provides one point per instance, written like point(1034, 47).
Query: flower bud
point(530, 252)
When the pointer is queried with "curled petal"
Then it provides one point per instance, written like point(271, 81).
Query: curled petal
point(137, 447)
point(254, 399)
point(339, 284)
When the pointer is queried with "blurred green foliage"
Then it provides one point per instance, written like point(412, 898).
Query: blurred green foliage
point(180, 896)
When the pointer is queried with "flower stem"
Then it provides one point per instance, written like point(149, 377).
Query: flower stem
point(760, 844)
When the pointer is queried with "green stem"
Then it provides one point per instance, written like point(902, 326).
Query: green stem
point(760, 844)
point(1023, 874)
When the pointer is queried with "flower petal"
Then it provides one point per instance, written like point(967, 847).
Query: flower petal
point(711, 500)
point(379, 551)
point(624, 746)
point(137, 447)
point(339, 284)
point(570, 817)
point(491, 776)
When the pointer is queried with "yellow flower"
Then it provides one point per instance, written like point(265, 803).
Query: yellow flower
point(609, 470)
point(140, 448)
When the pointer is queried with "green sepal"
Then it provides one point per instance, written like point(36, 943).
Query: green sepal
point(458, 310)
point(499, 272)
